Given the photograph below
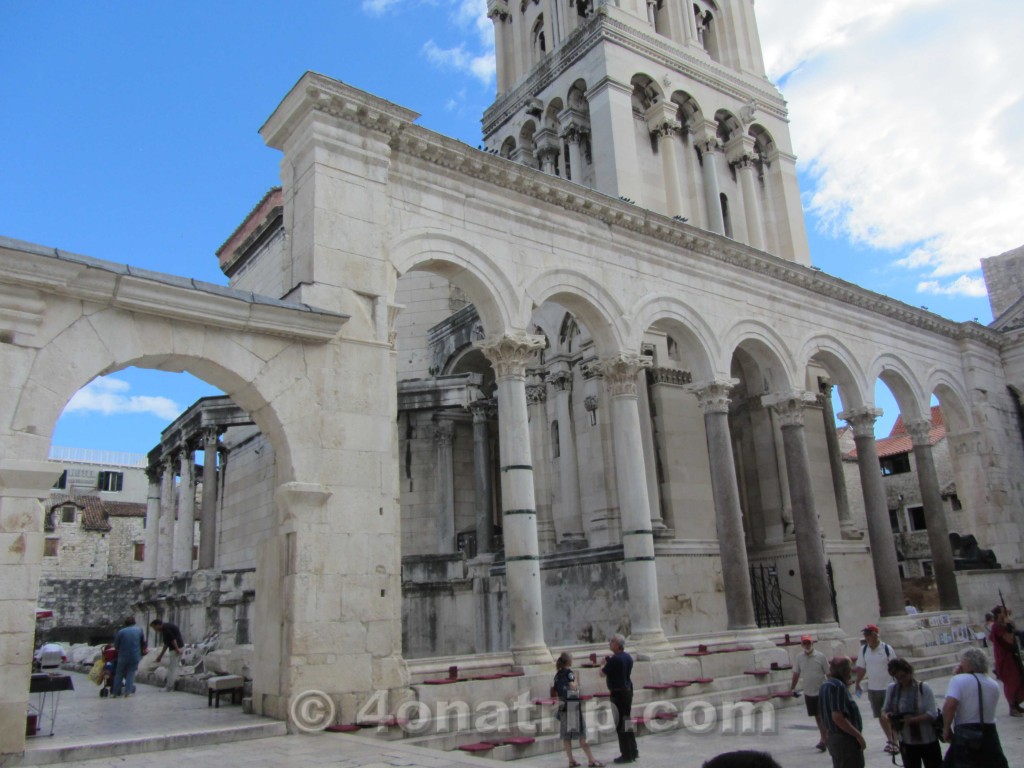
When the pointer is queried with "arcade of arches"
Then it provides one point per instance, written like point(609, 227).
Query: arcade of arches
point(579, 413)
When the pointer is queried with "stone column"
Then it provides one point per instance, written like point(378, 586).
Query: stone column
point(568, 467)
point(185, 528)
point(747, 172)
point(712, 195)
point(152, 533)
point(620, 378)
point(847, 528)
point(165, 552)
point(662, 123)
point(935, 519)
point(809, 546)
point(208, 523)
point(876, 509)
point(549, 148)
point(536, 405)
point(444, 485)
point(499, 17)
point(713, 398)
point(647, 439)
point(510, 354)
point(573, 136)
point(483, 494)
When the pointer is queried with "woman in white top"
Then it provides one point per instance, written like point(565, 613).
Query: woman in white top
point(969, 715)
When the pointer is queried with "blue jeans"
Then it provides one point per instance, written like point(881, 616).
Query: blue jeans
point(124, 675)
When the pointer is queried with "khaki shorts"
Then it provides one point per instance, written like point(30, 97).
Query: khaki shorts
point(877, 699)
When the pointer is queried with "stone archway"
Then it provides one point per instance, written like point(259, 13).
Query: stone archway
point(327, 615)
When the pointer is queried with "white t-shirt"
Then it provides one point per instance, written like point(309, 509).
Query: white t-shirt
point(876, 664)
point(964, 688)
point(813, 668)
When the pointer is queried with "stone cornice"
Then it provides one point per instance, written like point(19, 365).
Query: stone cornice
point(456, 156)
point(602, 28)
point(49, 271)
point(352, 105)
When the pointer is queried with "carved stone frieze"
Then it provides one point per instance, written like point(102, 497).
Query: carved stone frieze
point(670, 376)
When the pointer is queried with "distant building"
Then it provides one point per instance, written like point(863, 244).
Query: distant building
point(903, 492)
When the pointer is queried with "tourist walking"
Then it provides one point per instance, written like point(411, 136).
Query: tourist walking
point(130, 644)
point(841, 716)
point(811, 667)
point(969, 715)
point(173, 642)
point(910, 709)
point(572, 724)
point(617, 670)
point(873, 663)
point(1006, 648)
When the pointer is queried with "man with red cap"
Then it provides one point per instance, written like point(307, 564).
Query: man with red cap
point(811, 666)
point(873, 662)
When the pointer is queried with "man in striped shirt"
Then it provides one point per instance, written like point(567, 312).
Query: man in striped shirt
point(841, 716)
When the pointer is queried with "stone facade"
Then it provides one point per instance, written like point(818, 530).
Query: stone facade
point(657, 423)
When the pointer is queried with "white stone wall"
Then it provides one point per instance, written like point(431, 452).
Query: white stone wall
point(82, 553)
point(247, 513)
point(125, 533)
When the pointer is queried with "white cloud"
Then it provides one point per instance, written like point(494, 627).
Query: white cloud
point(378, 7)
point(965, 285)
point(110, 397)
point(909, 116)
point(480, 66)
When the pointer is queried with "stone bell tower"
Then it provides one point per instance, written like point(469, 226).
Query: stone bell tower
point(663, 103)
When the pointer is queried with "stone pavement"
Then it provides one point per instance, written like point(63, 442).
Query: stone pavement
point(84, 717)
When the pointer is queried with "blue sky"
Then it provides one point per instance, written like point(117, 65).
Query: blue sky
point(130, 134)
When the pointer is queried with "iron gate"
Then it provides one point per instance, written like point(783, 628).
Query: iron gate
point(764, 584)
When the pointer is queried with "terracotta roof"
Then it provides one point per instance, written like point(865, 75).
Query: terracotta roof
point(124, 509)
point(93, 516)
point(899, 440)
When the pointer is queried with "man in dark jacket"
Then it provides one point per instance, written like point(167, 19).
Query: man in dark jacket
point(617, 669)
point(173, 642)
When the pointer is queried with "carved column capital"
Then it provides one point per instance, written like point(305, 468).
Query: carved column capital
point(444, 432)
point(789, 406)
point(713, 396)
point(536, 393)
point(561, 381)
point(920, 431)
point(620, 372)
point(862, 420)
point(482, 409)
point(511, 353)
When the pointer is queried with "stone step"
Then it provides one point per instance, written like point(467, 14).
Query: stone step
point(43, 755)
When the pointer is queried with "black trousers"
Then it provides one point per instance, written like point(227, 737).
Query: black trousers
point(622, 704)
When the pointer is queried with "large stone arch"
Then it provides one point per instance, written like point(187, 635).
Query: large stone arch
point(697, 339)
point(586, 298)
point(490, 289)
point(906, 387)
point(274, 359)
point(767, 348)
point(842, 365)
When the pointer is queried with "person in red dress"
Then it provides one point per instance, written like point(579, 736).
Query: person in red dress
point(1008, 660)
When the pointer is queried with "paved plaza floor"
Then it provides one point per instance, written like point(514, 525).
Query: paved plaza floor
point(185, 720)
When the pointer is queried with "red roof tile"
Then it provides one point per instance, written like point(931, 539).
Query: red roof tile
point(899, 440)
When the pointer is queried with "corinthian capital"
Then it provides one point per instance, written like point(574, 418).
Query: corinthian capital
point(511, 353)
point(713, 396)
point(920, 431)
point(862, 420)
point(620, 372)
point(789, 406)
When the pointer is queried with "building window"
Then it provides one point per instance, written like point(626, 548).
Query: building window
point(954, 503)
point(67, 513)
point(894, 520)
point(915, 515)
point(50, 547)
point(927, 569)
point(140, 552)
point(556, 449)
point(896, 464)
point(62, 481)
point(111, 482)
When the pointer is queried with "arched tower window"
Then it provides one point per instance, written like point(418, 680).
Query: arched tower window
point(555, 450)
point(706, 15)
point(538, 43)
point(725, 214)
